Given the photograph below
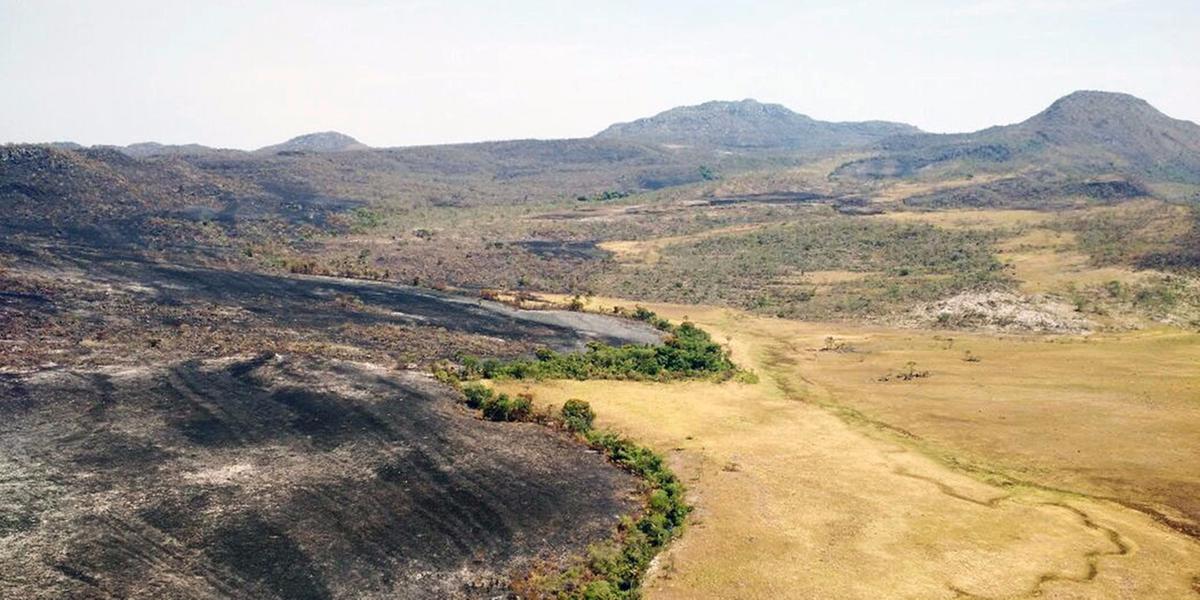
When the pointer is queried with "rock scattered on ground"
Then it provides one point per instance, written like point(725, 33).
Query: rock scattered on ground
point(1000, 311)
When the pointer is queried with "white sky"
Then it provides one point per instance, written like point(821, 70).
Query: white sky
point(246, 74)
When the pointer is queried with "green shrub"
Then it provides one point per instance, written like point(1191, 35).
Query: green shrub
point(600, 590)
point(613, 569)
point(477, 394)
point(505, 408)
point(606, 195)
point(642, 313)
point(498, 407)
point(577, 415)
point(688, 352)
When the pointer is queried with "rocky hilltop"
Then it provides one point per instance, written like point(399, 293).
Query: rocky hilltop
point(750, 124)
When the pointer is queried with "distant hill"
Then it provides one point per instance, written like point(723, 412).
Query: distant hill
point(148, 149)
point(750, 124)
point(1101, 146)
point(325, 141)
point(102, 195)
point(156, 195)
point(1082, 133)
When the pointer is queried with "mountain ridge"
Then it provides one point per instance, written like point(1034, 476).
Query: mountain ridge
point(1086, 131)
point(749, 124)
point(320, 141)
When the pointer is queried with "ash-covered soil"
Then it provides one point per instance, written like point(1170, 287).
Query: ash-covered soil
point(280, 477)
point(83, 307)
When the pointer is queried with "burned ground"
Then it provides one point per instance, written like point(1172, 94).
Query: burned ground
point(280, 477)
point(303, 477)
point(83, 306)
point(1037, 192)
point(770, 198)
point(568, 250)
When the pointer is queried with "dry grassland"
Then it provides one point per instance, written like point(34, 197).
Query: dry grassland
point(1007, 477)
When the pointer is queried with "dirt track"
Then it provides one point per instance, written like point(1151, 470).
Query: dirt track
point(276, 477)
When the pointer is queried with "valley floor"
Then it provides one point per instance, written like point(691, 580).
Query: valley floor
point(1031, 467)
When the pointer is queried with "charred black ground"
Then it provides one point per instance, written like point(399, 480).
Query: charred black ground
point(78, 305)
point(279, 477)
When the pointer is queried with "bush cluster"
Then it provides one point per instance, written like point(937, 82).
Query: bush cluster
point(603, 196)
point(613, 569)
point(498, 407)
point(688, 352)
point(641, 313)
point(577, 415)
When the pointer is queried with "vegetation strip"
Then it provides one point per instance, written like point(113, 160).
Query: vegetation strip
point(688, 352)
point(613, 569)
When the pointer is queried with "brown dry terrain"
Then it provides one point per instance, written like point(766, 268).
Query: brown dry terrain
point(1025, 473)
point(281, 477)
point(1066, 413)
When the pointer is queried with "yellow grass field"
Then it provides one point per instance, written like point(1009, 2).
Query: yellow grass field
point(648, 252)
point(895, 192)
point(971, 218)
point(1008, 477)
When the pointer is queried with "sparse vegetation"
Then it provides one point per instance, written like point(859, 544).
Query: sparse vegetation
point(1135, 234)
point(833, 344)
point(908, 373)
point(603, 196)
point(763, 270)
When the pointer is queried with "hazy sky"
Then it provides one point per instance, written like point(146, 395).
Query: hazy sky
point(245, 74)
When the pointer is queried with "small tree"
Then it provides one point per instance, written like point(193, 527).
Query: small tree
point(477, 394)
point(910, 372)
point(578, 415)
point(521, 408)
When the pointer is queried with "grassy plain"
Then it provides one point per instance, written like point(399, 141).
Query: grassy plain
point(1010, 476)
